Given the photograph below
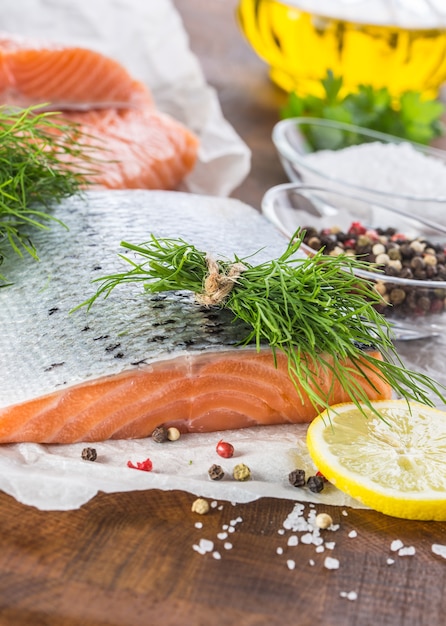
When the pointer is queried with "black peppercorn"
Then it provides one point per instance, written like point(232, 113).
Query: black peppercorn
point(297, 478)
point(159, 434)
point(89, 454)
point(315, 484)
point(216, 472)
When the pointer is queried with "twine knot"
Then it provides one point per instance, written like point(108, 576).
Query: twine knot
point(218, 285)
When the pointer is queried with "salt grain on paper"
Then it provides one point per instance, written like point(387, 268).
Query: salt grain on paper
point(227, 545)
point(198, 524)
point(390, 561)
point(279, 550)
point(331, 563)
point(222, 536)
point(330, 545)
point(291, 564)
point(311, 562)
point(293, 540)
point(439, 550)
point(216, 555)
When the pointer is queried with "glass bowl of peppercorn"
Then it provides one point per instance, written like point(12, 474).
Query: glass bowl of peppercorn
point(407, 254)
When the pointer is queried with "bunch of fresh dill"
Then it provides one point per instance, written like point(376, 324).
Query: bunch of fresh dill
point(315, 310)
point(42, 161)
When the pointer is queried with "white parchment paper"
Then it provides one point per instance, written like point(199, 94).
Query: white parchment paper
point(149, 39)
point(55, 477)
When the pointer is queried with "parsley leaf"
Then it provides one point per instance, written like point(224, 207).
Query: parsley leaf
point(408, 117)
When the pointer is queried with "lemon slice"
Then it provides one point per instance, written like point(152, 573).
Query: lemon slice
point(395, 465)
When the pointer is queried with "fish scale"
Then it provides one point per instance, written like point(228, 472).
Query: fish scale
point(34, 338)
point(136, 359)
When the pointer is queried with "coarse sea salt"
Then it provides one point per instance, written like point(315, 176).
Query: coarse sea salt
point(397, 168)
point(396, 545)
point(204, 546)
point(439, 550)
point(406, 551)
point(331, 563)
point(352, 534)
point(350, 595)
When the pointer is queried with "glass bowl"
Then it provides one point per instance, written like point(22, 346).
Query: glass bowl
point(383, 168)
point(410, 272)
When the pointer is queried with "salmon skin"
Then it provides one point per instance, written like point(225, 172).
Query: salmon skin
point(136, 146)
point(135, 360)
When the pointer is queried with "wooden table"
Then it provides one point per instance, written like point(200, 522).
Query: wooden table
point(127, 559)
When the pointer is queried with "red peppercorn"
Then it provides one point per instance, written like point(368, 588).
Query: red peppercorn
point(398, 238)
point(350, 243)
point(145, 466)
point(357, 228)
point(320, 474)
point(225, 449)
point(372, 234)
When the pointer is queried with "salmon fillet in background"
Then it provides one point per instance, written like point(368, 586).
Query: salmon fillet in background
point(138, 146)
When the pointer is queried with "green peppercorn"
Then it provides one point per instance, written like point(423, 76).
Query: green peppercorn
point(241, 472)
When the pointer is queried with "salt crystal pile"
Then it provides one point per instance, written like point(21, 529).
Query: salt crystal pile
point(396, 168)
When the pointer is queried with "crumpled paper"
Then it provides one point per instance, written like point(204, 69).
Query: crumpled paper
point(149, 39)
point(55, 477)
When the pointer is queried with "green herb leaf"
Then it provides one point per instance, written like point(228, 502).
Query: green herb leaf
point(313, 309)
point(42, 161)
point(409, 116)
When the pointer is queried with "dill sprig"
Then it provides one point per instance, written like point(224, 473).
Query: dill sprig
point(315, 310)
point(42, 161)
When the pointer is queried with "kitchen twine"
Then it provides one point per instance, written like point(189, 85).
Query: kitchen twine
point(218, 285)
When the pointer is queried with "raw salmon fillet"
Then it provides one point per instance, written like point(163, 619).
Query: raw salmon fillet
point(35, 72)
point(138, 147)
point(135, 360)
point(135, 148)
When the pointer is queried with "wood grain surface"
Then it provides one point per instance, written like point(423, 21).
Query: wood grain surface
point(128, 559)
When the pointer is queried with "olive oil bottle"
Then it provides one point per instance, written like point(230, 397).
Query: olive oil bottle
point(299, 47)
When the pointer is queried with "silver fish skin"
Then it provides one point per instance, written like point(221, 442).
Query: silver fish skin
point(45, 348)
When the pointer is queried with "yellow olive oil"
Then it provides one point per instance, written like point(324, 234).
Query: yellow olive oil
point(300, 48)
